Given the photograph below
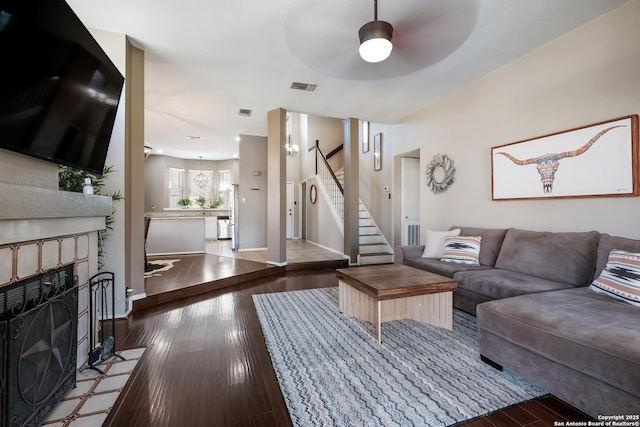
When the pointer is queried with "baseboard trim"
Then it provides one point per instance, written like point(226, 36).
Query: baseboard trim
point(491, 363)
point(277, 264)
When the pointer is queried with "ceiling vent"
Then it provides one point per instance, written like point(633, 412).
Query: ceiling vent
point(243, 112)
point(303, 86)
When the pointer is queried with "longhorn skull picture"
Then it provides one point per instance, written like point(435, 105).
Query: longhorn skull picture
point(547, 164)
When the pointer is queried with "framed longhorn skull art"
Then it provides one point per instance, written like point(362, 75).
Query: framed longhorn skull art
point(601, 159)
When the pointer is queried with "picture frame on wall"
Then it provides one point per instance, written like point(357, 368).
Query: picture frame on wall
point(365, 137)
point(597, 160)
point(377, 152)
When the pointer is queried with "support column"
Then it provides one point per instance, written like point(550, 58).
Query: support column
point(134, 170)
point(276, 188)
point(351, 189)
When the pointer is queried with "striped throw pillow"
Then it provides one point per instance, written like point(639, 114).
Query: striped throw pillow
point(462, 250)
point(620, 279)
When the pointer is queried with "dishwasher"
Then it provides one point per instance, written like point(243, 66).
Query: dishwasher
point(224, 227)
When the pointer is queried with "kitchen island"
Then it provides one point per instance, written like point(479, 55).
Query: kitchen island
point(182, 231)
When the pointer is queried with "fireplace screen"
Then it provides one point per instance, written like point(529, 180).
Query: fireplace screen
point(38, 330)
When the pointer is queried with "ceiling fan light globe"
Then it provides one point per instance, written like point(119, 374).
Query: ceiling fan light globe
point(375, 41)
point(375, 50)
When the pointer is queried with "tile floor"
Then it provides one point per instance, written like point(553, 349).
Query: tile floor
point(298, 250)
point(89, 403)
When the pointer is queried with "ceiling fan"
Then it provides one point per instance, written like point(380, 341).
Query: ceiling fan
point(325, 35)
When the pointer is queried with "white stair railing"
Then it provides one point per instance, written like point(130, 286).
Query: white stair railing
point(325, 195)
point(334, 193)
point(331, 188)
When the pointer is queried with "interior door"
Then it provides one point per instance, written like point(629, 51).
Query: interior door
point(289, 225)
point(303, 211)
point(410, 197)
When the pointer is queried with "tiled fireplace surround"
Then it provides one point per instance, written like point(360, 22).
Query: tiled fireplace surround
point(42, 228)
point(24, 259)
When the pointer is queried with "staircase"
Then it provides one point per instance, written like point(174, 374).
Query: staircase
point(374, 248)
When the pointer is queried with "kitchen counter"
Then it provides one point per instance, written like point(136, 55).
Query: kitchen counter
point(189, 212)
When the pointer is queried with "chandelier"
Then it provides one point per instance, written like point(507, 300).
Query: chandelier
point(201, 179)
point(292, 149)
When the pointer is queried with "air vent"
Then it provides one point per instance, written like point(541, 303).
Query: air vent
point(243, 112)
point(303, 86)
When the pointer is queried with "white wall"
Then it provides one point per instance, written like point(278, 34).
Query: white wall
point(372, 182)
point(115, 46)
point(589, 75)
point(321, 224)
point(410, 197)
point(124, 249)
point(329, 131)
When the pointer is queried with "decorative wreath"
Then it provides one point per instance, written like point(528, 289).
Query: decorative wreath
point(440, 161)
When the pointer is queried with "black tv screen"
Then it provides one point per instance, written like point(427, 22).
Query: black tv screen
point(59, 92)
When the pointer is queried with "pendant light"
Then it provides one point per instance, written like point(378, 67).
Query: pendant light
point(201, 179)
point(375, 38)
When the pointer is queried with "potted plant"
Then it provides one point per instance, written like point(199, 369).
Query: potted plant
point(72, 179)
point(185, 203)
point(201, 201)
point(217, 202)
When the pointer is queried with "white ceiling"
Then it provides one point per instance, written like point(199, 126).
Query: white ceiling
point(206, 59)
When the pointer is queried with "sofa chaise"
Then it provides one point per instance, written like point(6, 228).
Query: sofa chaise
point(537, 317)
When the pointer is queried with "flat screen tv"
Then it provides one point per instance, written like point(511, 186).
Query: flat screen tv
point(59, 92)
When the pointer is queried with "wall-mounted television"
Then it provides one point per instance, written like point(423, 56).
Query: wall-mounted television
point(59, 92)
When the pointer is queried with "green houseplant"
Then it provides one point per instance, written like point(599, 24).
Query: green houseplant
point(217, 202)
point(185, 202)
point(201, 201)
point(72, 179)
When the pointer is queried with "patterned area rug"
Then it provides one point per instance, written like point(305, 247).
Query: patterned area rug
point(333, 373)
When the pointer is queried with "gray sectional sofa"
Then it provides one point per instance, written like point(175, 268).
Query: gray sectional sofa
point(537, 318)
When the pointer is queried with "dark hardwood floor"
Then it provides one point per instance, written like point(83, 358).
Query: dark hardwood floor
point(196, 269)
point(206, 364)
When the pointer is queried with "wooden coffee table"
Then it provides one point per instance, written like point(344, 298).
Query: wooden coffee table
point(380, 293)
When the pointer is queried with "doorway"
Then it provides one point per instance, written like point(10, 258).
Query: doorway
point(303, 210)
point(407, 181)
point(410, 200)
point(290, 222)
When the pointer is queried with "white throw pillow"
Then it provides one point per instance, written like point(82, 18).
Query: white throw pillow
point(434, 246)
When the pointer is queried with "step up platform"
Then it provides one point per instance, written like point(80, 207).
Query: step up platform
point(376, 258)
